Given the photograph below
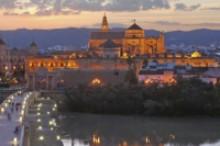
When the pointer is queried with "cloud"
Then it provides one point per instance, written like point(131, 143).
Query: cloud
point(7, 4)
point(51, 7)
point(116, 5)
point(212, 8)
point(184, 7)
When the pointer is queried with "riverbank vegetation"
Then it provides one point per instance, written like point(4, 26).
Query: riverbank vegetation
point(185, 98)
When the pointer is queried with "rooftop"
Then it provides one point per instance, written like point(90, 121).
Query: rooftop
point(135, 27)
point(107, 35)
point(109, 44)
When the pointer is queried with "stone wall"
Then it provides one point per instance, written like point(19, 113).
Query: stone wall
point(105, 71)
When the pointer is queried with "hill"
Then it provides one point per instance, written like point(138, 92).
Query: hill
point(78, 37)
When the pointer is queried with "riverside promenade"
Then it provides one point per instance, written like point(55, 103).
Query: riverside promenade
point(12, 114)
point(27, 119)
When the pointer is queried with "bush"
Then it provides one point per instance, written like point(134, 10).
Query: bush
point(187, 97)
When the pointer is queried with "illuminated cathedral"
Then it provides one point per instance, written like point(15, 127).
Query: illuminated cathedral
point(131, 41)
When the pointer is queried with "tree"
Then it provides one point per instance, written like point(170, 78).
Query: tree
point(131, 77)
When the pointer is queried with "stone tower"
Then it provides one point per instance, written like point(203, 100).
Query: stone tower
point(161, 44)
point(34, 50)
point(105, 26)
point(3, 48)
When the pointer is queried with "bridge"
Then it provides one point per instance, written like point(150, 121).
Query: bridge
point(12, 112)
point(4, 92)
point(20, 113)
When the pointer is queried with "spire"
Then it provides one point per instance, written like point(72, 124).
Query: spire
point(33, 44)
point(2, 42)
point(105, 27)
point(34, 50)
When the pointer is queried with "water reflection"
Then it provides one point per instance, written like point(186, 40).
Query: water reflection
point(95, 130)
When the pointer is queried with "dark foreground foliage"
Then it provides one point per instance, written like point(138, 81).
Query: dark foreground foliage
point(186, 98)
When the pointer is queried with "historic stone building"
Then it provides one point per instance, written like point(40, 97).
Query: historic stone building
point(12, 62)
point(54, 72)
point(132, 41)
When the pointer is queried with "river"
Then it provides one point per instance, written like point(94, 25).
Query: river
point(101, 130)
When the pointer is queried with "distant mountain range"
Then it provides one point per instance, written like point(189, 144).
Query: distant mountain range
point(78, 37)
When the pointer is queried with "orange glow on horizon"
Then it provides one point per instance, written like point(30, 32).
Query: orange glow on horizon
point(116, 19)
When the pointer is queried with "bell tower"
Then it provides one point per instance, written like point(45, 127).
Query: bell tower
point(105, 26)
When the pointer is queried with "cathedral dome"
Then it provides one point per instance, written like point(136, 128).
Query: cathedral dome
point(196, 54)
point(135, 27)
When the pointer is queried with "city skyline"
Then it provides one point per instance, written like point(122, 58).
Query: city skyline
point(165, 15)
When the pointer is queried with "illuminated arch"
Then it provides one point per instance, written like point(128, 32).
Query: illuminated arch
point(196, 54)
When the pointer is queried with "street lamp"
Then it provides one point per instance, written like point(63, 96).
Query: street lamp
point(40, 128)
point(41, 138)
point(58, 137)
point(2, 110)
point(14, 142)
point(39, 120)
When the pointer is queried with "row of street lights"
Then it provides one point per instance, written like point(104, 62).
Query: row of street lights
point(51, 124)
point(9, 102)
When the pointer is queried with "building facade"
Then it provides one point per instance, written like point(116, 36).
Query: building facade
point(57, 72)
point(132, 41)
point(12, 62)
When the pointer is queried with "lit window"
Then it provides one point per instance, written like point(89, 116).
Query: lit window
point(96, 82)
point(148, 82)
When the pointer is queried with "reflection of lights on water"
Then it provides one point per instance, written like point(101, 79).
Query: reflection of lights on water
point(147, 140)
point(125, 143)
point(75, 142)
point(96, 139)
point(172, 136)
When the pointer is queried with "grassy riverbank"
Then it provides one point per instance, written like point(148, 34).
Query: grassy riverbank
point(186, 98)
